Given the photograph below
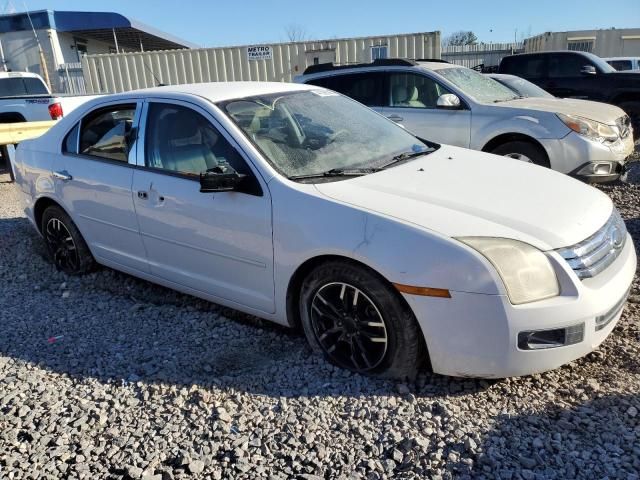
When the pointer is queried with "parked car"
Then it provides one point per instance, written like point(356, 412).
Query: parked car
point(623, 64)
point(24, 97)
point(579, 75)
point(520, 86)
point(301, 206)
point(455, 105)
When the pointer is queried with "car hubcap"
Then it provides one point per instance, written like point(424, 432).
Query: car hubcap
point(61, 245)
point(519, 156)
point(349, 327)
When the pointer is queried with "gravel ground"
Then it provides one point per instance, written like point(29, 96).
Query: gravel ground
point(107, 376)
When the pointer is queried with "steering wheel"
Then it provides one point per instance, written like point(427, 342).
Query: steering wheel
point(335, 135)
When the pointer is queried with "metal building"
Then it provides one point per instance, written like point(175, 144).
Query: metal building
point(483, 56)
point(66, 36)
point(279, 62)
point(613, 42)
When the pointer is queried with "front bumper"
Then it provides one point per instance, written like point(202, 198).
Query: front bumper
point(476, 335)
point(587, 159)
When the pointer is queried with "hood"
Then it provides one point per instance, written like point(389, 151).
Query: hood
point(458, 192)
point(600, 112)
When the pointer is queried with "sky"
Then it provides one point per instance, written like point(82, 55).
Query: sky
point(212, 23)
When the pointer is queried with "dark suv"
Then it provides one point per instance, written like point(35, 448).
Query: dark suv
point(579, 75)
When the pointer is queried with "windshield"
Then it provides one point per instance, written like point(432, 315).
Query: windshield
point(482, 88)
point(310, 132)
point(523, 87)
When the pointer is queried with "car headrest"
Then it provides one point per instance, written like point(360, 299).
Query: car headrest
point(399, 94)
point(412, 93)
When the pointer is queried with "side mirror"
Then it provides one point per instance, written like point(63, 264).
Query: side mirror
point(588, 70)
point(220, 182)
point(449, 101)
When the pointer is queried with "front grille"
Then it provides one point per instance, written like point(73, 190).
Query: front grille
point(591, 256)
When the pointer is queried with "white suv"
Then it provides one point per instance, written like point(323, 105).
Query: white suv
point(455, 105)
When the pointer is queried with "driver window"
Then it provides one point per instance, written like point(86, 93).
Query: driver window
point(181, 140)
point(414, 91)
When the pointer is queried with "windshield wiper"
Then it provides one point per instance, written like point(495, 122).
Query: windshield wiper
point(405, 156)
point(336, 172)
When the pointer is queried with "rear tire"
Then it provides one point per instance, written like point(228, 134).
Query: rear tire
point(359, 322)
point(524, 151)
point(633, 110)
point(67, 249)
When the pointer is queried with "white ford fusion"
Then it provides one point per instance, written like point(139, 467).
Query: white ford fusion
point(303, 207)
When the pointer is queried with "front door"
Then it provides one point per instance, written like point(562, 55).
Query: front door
point(93, 178)
point(565, 79)
point(412, 102)
point(219, 244)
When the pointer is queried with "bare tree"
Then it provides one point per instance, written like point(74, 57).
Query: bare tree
point(296, 32)
point(460, 38)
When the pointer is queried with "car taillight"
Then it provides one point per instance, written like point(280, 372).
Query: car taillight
point(55, 110)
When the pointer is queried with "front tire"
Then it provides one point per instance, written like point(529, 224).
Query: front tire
point(524, 151)
point(359, 322)
point(67, 249)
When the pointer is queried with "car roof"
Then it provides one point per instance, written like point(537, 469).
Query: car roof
point(18, 75)
point(368, 67)
point(221, 91)
point(621, 58)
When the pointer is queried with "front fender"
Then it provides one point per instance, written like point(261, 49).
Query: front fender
point(309, 225)
point(537, 125)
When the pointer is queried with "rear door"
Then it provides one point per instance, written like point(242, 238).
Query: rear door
point(219, 244)
point(411, 101)
point(93, 178)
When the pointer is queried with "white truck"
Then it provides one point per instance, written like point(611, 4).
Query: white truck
point(25, 97)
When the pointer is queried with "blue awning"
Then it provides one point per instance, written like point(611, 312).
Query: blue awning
point(97, 25)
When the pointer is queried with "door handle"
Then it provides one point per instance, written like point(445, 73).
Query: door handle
point(395, 118)
point(63, 175)
point(143, 195)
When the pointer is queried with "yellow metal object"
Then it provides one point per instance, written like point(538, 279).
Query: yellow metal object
point(12, 133)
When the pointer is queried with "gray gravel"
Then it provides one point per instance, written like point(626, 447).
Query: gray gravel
point(107, 376)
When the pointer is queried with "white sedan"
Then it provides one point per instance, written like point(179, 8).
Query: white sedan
point(303, 207)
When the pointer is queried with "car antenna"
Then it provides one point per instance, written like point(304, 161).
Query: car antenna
point(158, 82)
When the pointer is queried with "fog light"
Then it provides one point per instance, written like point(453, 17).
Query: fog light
point(602, 169)
point(559, 337)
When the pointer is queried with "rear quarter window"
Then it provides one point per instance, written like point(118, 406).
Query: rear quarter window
point(366, 87)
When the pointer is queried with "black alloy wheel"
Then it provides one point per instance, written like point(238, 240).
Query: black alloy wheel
point(349, 327)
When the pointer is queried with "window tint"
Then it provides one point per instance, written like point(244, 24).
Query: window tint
point(525, 66)
point(562, 66)
point(17, 86)
point(366, 88)
point(414, 91)
point(104, 133)
point(71, 140)
point(183, 141)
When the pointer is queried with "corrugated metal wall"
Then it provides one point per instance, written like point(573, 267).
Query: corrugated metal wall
point(113, 73)
point(483, 54)
point(606, 43)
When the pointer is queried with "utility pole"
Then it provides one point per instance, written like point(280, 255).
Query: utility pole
point(43, 60)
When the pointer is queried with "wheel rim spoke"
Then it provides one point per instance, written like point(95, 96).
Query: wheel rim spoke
point(62, 246)
point(349, 327)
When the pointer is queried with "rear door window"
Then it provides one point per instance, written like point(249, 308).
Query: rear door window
point(105, 132)
point(621, 65)
point(526, 66)
point(366, 87)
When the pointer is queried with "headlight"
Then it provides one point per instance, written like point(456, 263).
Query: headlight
point(525, 271)
point(590, 128)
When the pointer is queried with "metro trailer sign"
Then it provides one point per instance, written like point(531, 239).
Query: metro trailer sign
point(260, 52)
